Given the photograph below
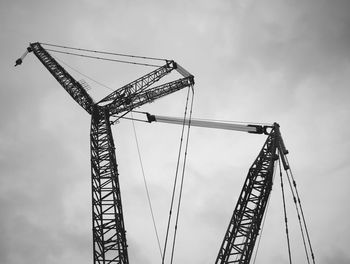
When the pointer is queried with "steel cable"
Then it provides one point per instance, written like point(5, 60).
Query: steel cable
point(183, 174)
point(105, 52)
point(285, 212)
point(146, 187)
point(175, 181)
point(299, 220)
point(102, 58)
point(302, 214)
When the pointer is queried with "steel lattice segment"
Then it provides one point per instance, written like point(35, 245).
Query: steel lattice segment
point(139, 84)
point(73, 87)
point(241, 234)
point(125, 104)
point(107, 215)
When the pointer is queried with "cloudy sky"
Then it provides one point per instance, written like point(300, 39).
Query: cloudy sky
point(256, 61)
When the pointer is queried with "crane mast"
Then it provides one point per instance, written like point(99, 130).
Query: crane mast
point(244, 226)
point(109, 238)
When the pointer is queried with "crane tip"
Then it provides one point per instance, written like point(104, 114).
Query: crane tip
point(18, 62)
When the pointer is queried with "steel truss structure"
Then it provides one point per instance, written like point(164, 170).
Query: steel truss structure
point(109, 239)
point(244, 226)
point(107, 214)
point(109, 235)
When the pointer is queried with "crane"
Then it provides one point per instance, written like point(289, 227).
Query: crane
point(109, 235)
point(109, 238)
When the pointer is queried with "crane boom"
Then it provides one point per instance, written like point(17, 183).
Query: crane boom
point(139, 84)
point(74, 88)
point(244, 226)
point(138, 99)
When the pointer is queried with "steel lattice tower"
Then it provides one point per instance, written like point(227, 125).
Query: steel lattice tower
point(244, 226)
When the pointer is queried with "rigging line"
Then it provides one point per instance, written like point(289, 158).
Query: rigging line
point(285, 211)
point(300, 224)
point(99, 83)
point(183, 174)
point(133, 119)
point(146, 187)
point(175, 183)
point(105, 52)
point(297, 210)
point(139, 112)
point(119, 117)
point(106, 59)
point(122, 116)
point(302, 212)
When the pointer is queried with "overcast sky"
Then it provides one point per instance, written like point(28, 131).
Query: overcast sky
point(256, 61)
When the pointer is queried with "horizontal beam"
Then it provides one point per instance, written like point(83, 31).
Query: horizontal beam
point(250, 128)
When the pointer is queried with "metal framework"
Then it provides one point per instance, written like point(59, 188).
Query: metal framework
point(109, 235)
point(73, 87)
point(109, 239)
point(244, 226)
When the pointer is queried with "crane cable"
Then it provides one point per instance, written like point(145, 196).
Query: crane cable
point(299, 220)
point(285, 211)
point(146, 187)
point(302, 214)
point(175, 179)
point(183, 174)
point(102, 58)
point(297, 202)
point(104, 52)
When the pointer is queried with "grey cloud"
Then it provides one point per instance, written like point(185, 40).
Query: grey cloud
point(285, 61)
point(301, 39)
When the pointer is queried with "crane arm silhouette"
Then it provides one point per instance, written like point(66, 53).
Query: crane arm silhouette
point(131, 95)
point(137, 93)
point(73, 87)
point(245, 224)
point(139, 84)
point(138, 99)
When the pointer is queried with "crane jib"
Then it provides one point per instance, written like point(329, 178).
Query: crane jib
point(250, 128)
